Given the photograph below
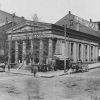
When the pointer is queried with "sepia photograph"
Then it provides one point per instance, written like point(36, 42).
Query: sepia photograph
point(49, 50)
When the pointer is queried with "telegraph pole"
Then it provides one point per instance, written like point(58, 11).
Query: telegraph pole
point(65, 48)
point(10, 44)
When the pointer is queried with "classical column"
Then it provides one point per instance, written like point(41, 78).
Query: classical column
point(88, 53)
point(85, 52)
point(24, 51)
point(50, 50)
point(93, 54)
point(75, 52)
point(63, 49)
point(41, 52)
point(32, 60)
point(97, 53)
point(67, 55)
point(9, 52)
point(16, 51)
point(58, 48)
point(82, 52)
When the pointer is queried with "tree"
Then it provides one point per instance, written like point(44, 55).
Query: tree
point(35, 17)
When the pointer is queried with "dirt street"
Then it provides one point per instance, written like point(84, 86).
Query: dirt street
point(80, 86)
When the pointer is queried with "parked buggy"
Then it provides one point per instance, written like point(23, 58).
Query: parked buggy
point(2, 67)
point(79, 66)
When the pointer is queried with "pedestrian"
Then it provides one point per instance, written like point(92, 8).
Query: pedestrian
point(53, 63)
point(70, 66)
point(35, 67)
point(9, 67)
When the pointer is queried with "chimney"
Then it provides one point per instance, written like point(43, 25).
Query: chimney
point(13, 15)
point(90, 20)
point(6, 20)
point(22, 17)
point(69, 12)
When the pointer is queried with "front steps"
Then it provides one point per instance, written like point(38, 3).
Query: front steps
point(23, 66)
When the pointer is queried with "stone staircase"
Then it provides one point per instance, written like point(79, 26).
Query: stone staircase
point(24, 66)
point(20, 66)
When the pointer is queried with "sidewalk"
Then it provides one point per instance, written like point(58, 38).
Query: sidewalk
point(49, 74)
point(94, 65)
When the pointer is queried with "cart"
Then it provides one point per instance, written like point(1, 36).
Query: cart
point(79, 66)
point(2, 67)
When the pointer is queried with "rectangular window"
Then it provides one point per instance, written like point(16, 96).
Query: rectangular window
point(91, 53)
point(79, 51)
point(85, 52)
point(72, 50)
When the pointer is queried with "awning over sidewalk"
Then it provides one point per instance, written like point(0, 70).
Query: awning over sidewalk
point(60, 57)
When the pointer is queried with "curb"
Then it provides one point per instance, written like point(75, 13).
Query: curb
point(19, 73)
point(44, 76)
point(47, 76)
point(30, 74)
point(94, 67)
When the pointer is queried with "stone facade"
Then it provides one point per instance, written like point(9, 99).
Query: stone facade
point(76, 49)
point(46, 42)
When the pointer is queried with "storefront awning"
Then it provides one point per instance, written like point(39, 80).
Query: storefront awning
point(60, 57)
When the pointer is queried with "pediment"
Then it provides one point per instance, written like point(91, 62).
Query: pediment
point(29, 26)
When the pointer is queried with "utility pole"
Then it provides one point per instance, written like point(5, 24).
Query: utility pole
point(10, 44)
point(65, 48)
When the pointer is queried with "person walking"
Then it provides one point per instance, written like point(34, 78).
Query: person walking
point(34, 69)
point(9, 67)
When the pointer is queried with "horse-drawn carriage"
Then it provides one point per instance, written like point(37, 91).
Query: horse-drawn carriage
point(59, 65)
point(75, 67)
point(2, 66)
point(79, 66)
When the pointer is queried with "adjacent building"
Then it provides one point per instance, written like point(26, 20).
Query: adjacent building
point(7, 21)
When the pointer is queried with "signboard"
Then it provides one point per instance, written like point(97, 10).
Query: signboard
point(86, 23)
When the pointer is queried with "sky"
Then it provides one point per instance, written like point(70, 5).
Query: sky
point(51, 11)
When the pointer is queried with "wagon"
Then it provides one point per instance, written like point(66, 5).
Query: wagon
point(2, 67)
point(79, 66)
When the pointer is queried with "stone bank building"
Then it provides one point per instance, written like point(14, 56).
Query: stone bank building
point(46, 41)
